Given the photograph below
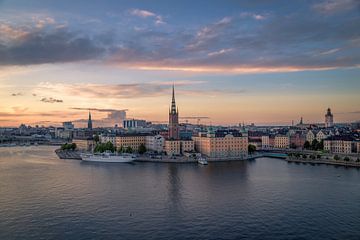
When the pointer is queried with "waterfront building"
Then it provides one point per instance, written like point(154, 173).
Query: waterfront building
point(179, 147)
point(338, 144)
point(108, 138)
point(358, 146)
point(130, 140)
point(297, 140)
point(265, 142)
point(155, 143)
point(173, 119)
point(329, 118)
point(225, 144)
point(63, 133)
point(90, 126)
point(281, 141)
point(84, 144)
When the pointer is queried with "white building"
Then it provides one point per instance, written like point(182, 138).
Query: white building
point(265, 142)
point(281, 141)
point(155, 143)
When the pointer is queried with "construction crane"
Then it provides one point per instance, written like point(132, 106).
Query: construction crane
point(194, 117)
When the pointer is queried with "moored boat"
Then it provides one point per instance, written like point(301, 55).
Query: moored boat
point(108, 158)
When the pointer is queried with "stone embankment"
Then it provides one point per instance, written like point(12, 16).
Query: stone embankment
point(68, 154)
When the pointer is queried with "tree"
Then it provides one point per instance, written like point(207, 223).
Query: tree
point(293, 145)
point(96, 138)
point(129, 150)
point(346, 159)
point(142, 149)
point(304, 156)
point(358, 160)
point(121, 149)
point(320, 145)
point(312, 157)
point(307, 145)
point(314, 144)
point(251, 148)
point(103, 147)
point(68, 146)
point(336, 157)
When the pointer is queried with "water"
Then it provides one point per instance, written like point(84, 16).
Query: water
point(43, 197)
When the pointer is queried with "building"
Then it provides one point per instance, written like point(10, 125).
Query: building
point(321, 135)
point(84, 144)
point(329, 118)
point(265, 142)
point(173, 147)
point(281, 141)
point(90, 126)
point(173, 119)
point(310, 136)
point(358, 146)
point(68, 125)
point(225, 144)
point(134, 123)
point(256, 142)
point(297, 140)
point(155, 143)
point(133, 141)
point(179, 147)
point(108, 138)
point(338, 144)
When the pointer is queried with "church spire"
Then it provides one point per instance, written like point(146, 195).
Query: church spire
point(89, 121)
point(173, 104)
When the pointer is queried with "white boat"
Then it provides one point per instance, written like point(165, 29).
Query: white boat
point(108, 158)
point(202, 161)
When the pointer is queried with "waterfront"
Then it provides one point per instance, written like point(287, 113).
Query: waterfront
point(43, 197)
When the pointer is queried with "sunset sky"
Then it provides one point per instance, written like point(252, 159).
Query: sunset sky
point(255, 61)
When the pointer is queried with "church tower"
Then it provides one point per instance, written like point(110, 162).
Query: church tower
point(173, 119)
point(89, 121)
point(329, 118)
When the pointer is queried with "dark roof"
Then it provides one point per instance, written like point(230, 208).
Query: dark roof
point(223, 133)
point(341, 138)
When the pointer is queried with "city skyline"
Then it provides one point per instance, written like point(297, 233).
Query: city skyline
point(247, 61)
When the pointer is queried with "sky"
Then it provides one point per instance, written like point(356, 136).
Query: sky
point(266, 62)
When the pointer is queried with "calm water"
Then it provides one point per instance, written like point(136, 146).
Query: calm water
point(43, 197)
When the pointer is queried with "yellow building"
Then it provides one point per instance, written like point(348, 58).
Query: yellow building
point(179, 147)
point(281, 141)
point(84, 144)
point(133, 141)
point(338, 144)
point(222, 144)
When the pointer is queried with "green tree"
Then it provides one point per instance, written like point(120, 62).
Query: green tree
point(304, 156)
point(129, 150)
point(102, 147)
point(314, 144)
point(251, 148)
point(346, 159)
point(307, 145)
point(336, 157)
point(96, 138)
point(121, 149)
point(312, 157)
point(320, 145)
point(142, 149)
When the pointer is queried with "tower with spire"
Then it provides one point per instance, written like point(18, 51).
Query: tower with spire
point(173, 118)
point(329, 118)
point(89, 121)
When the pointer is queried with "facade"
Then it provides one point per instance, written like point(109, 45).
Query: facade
point(321, 135)
point(132, 141)
point(329, 118)
point(108, 138)
point(133, 123)
point(179, 147)
point(338, 144)
point(310, 136)
point(174, 119)
point(84, 144)
point(230, 145)
point(358, 147)
point(265, 142)
point(281, 141)
point(297, 140)
point(155, 143)
point(173, 147)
